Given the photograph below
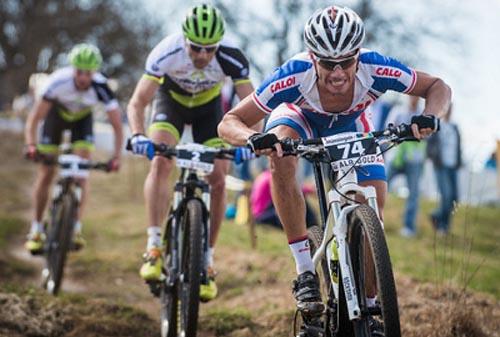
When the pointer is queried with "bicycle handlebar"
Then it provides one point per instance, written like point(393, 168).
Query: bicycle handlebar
point(90, 165)
point(172, 151)
point(394, 134)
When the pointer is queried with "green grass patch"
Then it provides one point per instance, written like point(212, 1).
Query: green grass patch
point(223, 321)
point(468, 257)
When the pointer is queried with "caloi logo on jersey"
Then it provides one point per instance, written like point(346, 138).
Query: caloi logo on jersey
point(282, 84)
point(388, 72)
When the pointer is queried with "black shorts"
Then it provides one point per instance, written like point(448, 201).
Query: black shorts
point(82, 135)
point(171, 116)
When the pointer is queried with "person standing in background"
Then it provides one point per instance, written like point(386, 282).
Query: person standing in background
point(444, 150)
point(409, 160)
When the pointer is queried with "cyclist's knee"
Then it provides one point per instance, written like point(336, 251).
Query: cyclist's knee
point(161, 167)
point(217, 182)
point(283, 168)
point(46, 173)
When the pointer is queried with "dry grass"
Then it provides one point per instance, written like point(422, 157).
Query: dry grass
point(255, 297)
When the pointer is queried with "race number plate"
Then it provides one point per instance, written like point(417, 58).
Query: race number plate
point(352, 148)
point(195, 157)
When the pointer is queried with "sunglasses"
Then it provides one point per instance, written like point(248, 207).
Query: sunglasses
point(330, 64)
point(197, 48)
point(81, 72)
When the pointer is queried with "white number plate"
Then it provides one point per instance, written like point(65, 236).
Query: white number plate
point(346, 149)
point(195, 157)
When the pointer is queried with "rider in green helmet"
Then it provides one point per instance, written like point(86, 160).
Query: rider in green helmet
point(183, 78)
point(66, 103)
point(85, 56)
point(203, 25)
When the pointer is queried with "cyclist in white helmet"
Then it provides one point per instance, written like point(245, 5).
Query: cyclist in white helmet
point(324, 91)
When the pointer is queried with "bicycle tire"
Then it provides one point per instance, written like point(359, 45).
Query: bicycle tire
point(63, 217)
point(192, 267)
point(168, 295)
point(363, 221)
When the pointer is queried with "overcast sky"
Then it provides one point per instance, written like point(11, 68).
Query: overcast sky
point(472, 70)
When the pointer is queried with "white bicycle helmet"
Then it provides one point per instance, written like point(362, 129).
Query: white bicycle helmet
point(334, 32)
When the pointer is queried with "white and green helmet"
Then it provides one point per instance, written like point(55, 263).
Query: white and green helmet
point(85, 56)
point(204, 24)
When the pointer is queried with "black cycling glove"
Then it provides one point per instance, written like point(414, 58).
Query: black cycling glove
point(262, 141)
point(426, 122)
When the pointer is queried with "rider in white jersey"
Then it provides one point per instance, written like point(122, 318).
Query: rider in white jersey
point(321, 92)
point(186, 72)
point(66, 103)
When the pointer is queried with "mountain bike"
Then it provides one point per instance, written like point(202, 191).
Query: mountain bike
point(66, 195)
point(351, 234)
point(186, 238)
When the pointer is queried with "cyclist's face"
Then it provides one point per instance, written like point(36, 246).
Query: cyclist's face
point(83, 79)
point(200, 55)
point(337, 78)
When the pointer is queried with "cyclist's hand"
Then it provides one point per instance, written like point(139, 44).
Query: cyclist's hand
point(141, 145)
point(30, 151)
point(114, 164)
point(243, 154)
point(265, 144)
point(422, 126)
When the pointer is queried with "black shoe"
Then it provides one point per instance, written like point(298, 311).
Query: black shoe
point(376, 327)
point(307, 295)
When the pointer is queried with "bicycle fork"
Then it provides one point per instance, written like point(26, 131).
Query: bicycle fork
point(335, 246)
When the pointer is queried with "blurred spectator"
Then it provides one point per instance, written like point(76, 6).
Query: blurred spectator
point(409, 160)
point(380, 111)
point(491, 163)
point(444, 150)
point(263, 210)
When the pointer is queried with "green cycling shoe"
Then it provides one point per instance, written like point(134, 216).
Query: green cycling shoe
point(151, 268)
point(209, 290)
point(78, 241)
point(35, 242)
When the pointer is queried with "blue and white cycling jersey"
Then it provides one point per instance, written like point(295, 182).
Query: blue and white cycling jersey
point(294, 83)
point(291, 96)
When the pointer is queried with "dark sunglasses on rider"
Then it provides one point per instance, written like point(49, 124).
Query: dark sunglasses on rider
point(197, 48)
point(330, 64)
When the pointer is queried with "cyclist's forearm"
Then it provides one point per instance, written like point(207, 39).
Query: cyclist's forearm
point(438, 98)
point(143, 94)
point(233, 130)
point(135, 114)
point(115, 120)
point(39, 111)
point(30, 133)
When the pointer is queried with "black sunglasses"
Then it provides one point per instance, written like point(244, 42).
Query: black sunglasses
point(330, 64)
point(198, 48)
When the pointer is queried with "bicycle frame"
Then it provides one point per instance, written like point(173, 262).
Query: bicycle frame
point(185, 189)
point(334, 212)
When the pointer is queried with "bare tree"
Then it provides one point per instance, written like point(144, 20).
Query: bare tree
point(272, 32)
point(36, 34)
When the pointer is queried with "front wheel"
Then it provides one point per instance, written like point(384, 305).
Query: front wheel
point(169, 301)
point(59, 242)
point(191, 268)
point(372, 271)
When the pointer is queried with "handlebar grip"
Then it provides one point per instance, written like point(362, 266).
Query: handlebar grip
point(128, 146)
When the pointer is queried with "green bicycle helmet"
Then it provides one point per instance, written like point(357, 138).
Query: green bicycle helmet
point(85, 56)
point(204, 24)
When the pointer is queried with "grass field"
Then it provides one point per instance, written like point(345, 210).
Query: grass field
point(103, 286)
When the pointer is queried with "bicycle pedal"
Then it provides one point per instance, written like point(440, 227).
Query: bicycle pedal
point(154, 287)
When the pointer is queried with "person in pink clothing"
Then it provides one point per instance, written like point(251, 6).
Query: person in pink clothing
point(263, 210)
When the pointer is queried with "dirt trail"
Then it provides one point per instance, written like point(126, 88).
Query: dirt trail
point(104, 296)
